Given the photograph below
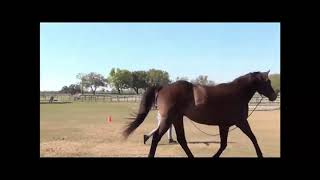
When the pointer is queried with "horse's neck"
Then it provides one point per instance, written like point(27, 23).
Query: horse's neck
point(249, 95)
point(246, 91)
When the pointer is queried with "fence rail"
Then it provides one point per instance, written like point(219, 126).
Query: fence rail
point(91, 98)
point(67, 98)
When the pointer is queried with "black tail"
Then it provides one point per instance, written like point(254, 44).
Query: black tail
point(146, 103)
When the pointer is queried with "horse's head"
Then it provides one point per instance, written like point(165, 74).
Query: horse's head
point(262, 84)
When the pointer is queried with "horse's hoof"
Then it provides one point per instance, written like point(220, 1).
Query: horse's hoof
point(145, 138)
point(171, 141)
point(215, 157)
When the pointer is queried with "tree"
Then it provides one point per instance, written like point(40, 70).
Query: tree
point(211, 83)
point(72, 89)
point(81, 77)
point(182, 79)
point(92, 80)
point(120, 79)
point(139, 80)
point(157, 77)
point(124, 79)
point(202, 80)
point(275, 81)
point(113, 79)
point(64, 89)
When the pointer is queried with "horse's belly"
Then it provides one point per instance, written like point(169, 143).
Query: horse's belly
point(202, 115)
point(215, 116)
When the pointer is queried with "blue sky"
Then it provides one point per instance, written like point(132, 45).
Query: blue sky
point(223, 51)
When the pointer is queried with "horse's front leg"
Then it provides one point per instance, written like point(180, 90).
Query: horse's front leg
point(245, 128)
point(224, 130)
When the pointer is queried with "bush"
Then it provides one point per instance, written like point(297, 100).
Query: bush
point(275, 81)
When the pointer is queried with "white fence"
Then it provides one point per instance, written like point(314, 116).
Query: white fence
point(90, 98)
point(265, 104)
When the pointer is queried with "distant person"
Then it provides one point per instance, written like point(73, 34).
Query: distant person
point(77, 96)
point(51, 99)
point(146, 137)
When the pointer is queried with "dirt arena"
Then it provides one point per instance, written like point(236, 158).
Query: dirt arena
point(81, 130)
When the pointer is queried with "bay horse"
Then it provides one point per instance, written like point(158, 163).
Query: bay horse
point(222, 105)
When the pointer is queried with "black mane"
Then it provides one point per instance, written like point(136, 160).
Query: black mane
point(246, 76)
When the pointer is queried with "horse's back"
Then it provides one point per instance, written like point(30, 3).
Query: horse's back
point(178, 94)
point(185, 93)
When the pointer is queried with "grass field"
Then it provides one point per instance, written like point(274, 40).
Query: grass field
point(81, 130)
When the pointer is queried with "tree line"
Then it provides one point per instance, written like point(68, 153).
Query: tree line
point(121, 79)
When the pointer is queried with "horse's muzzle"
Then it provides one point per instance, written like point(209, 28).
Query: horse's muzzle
point(274, 96)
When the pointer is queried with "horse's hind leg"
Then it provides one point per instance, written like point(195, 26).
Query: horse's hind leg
point(245, 128)
point(178, 126)
point(224, 130)
point(157, 135)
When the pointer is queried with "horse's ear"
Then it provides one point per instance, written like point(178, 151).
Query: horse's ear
point(266, 74)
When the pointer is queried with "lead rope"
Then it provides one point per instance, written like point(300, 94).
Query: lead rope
point(232, 128)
